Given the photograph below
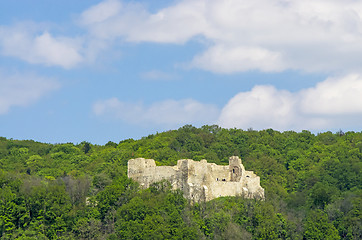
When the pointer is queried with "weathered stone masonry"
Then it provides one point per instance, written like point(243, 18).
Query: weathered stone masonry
point(199, 181)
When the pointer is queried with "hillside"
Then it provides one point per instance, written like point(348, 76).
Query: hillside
point(81, 191)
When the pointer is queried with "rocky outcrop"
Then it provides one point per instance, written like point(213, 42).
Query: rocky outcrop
point(199, 181)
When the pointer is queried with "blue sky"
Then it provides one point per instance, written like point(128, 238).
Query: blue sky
point(100, 71)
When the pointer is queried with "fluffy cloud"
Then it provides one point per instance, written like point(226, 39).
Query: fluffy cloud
point(101, 12)
point(168, 112)
point(241, 35)
point(226, 59)
point(176, 24)
point(334, 96)
point(22, 41)
point(22, 90)
point(262, 107)
point(333, 103)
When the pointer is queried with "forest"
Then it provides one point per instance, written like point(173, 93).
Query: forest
point(312, 187)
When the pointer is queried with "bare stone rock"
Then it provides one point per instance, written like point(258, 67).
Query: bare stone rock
point(199, 181)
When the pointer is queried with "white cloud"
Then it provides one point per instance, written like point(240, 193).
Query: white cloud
point(334, 96)
point(268, 35)
point(226, 59)
point(23, 90)
point(176, 24)
point(262, 107)
point(333, 103)
point(101, 12)
point(22, 41)
point(239, 35)
point(168, 112)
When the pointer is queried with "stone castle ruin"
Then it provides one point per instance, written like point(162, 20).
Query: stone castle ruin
point(199, 181)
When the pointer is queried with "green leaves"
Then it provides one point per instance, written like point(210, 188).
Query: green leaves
point(317, 227)
point(312, 183)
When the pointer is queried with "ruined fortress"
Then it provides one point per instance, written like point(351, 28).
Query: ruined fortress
point(199, 181)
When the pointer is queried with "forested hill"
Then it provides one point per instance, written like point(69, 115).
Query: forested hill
point(67, 191)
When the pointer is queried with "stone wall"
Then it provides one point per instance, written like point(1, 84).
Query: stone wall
point(199, 181)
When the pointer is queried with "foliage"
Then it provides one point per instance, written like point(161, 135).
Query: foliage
point(81, 191)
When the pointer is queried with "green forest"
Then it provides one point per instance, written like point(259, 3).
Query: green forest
point(312, 187)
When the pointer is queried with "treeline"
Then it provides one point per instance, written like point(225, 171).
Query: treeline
point(81, 191)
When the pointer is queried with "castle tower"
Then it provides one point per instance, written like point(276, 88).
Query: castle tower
point(235, 169)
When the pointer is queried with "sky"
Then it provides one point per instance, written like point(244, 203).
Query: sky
point(99, 71)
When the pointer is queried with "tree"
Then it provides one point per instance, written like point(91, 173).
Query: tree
point(317, 227)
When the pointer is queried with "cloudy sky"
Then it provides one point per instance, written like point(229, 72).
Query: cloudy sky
point(91, 70)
